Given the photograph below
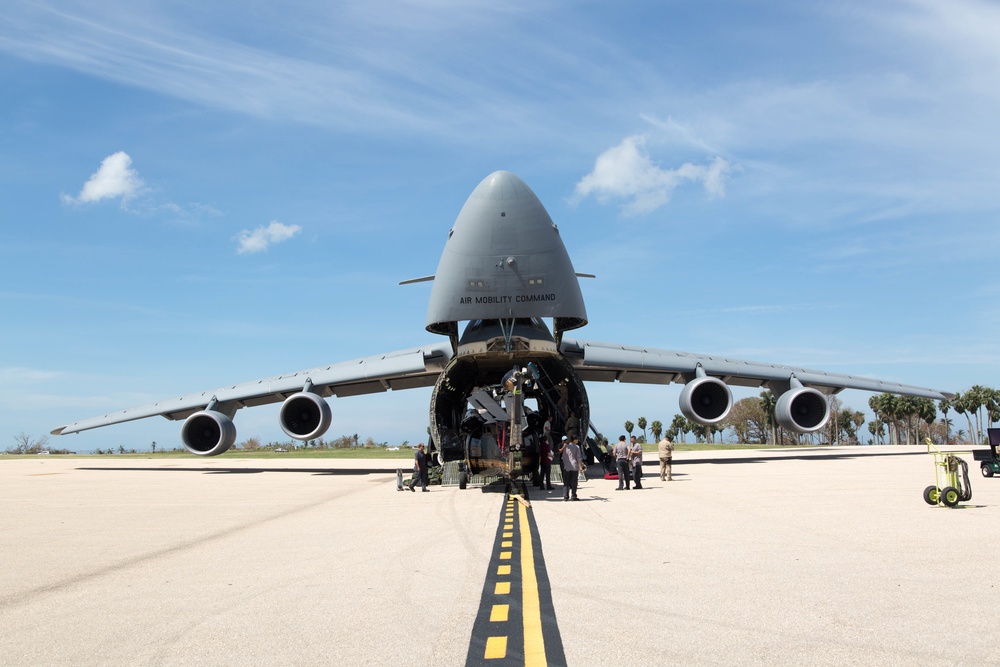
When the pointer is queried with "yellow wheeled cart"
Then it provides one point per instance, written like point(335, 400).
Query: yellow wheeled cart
point(951, 478)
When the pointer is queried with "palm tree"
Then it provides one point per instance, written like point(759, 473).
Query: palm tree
point(680, 426)
point(657, 428)
point(700, 432)
point(877, 429)
point(928, 413)
point(880, 406)
point(944, 405)
point(642, 424)
point(993, 405)
point(628, 427)
point(888, 408)
point(898, 410)
point(947, 423)
point(858, 418)
point(768, 401)
point(960, 404)
point(975, 399)
point(907, 408)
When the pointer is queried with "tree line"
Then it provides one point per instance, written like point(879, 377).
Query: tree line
point(898, 420)
point(27, 444)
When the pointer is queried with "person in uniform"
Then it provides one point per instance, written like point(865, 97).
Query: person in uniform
point(563, 403)
point(420, 471)
point(666, 456)
point(545, 463)
point(572, 462)
point(573, 426)
point(635, 458)
point(621, 459)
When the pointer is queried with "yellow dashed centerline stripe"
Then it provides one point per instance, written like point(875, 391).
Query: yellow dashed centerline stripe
point(496, 647)
point(499, 613)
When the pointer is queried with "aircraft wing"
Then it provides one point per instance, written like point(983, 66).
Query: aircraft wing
point(606, 362)
point(405, 369)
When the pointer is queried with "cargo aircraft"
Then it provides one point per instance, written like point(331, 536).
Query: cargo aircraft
point(504, 377)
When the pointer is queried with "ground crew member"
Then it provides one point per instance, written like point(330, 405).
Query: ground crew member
point(666, 456)
point(635, 458)
point(621, 458)
point(573, 426)
point(572, 464)
point(545, 464)
point(420, 472)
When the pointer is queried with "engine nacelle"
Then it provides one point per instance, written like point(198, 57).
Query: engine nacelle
point(802, 410)
point(208, 433)
point(305, 416)
point(706, 400)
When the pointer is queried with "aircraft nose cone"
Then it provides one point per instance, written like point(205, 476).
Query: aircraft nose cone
point(502, 186)
point(504, 259)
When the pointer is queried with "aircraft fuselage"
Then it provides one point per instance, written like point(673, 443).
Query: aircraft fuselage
point(503, 269)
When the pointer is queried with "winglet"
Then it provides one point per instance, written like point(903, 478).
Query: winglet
point(425, 279)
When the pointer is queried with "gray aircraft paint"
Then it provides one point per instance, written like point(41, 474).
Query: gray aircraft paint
point(504, 259)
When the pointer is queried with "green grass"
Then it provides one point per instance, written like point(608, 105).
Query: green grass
point(709, 447)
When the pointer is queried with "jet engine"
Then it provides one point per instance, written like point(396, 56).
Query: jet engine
point(706, 400)
point(208, 433)
point(305, 416)
point(802, 410)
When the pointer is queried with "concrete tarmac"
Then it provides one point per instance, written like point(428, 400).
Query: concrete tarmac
point(818, 557)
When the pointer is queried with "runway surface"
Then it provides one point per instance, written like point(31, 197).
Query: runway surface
point(747, 558)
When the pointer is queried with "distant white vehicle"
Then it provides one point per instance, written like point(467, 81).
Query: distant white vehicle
point(281, 450)
point(392, 449)
point(43, 452)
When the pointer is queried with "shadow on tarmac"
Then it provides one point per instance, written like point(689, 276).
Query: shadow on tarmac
point(780, 456)
point(757, 458)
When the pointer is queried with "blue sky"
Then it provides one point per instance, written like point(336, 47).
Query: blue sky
point(197, 196)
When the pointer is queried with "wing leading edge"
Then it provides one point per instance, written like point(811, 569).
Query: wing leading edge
point(606, 362)
point(405, 369)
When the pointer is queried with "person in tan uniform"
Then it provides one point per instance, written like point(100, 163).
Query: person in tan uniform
point(666, 458)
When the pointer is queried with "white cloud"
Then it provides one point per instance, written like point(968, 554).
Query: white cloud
point(114, 178)
point(18, 377)
point(263, 237)
point(627, 172)
point(326, 64)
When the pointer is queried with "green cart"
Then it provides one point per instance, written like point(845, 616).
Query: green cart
point(989, 459)
point(951, 478)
